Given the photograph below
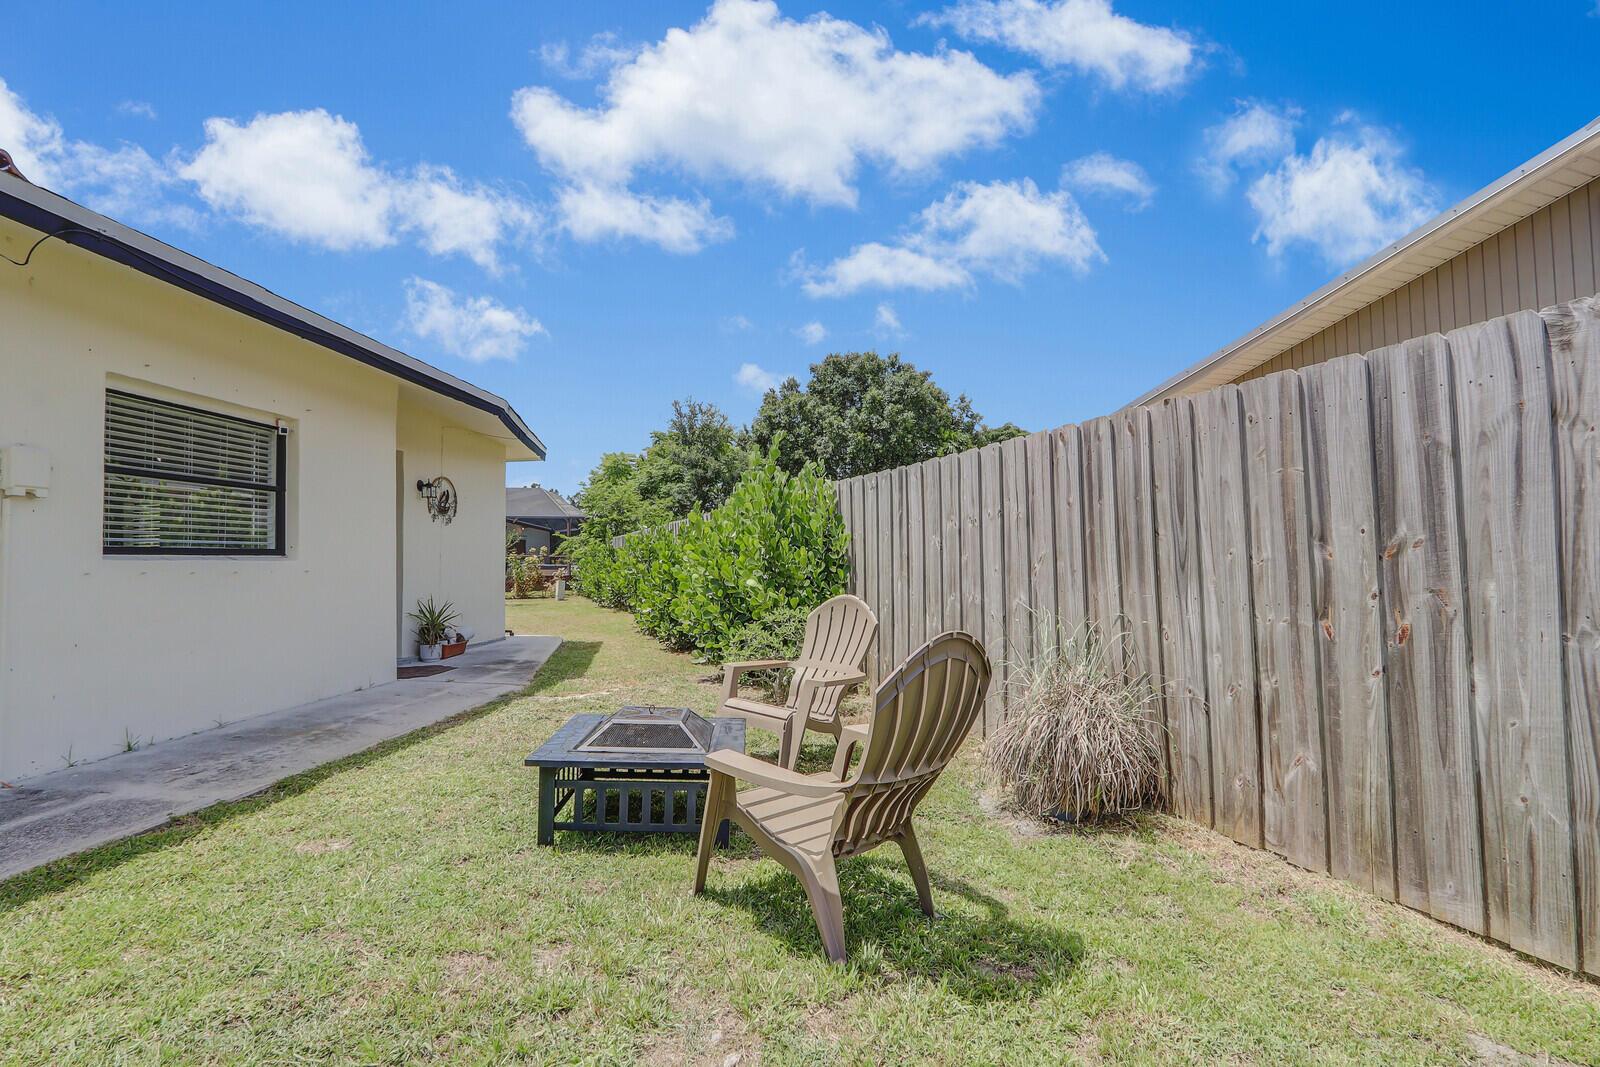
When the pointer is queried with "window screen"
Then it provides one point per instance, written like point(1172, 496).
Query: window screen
point(182, 481)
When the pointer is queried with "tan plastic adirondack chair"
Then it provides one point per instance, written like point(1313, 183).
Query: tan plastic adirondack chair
point(921, 715)
point(838, 633)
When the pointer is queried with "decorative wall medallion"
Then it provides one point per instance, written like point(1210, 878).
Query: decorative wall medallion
point(440, 496)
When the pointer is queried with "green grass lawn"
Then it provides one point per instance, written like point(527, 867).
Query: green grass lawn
point(394, 908)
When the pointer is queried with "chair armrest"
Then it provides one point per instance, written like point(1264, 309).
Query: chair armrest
point(850, 737)
point(809, 686)
point(749, 769)
point(755, 665)
point(732, 671)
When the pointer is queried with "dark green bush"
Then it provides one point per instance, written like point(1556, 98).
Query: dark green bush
point(777, 544)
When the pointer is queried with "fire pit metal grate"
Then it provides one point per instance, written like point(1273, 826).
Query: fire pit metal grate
point(649, 729)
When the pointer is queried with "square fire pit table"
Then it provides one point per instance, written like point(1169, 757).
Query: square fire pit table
point(639, 770)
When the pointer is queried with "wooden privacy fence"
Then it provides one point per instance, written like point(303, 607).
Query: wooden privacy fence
point(1369, 591)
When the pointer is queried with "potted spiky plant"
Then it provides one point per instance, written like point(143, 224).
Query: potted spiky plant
point(433, 627)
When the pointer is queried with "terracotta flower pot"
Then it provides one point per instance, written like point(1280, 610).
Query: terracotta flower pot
point(456, 649)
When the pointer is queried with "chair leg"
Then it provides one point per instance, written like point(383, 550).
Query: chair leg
point(711, 816)
point(919, 870)
point(789, 742)
point(821, 879)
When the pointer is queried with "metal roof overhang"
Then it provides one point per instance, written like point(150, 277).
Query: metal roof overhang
point(1542, 180)
point(60, 218)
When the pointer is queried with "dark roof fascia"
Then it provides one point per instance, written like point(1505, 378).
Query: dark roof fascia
point(106, 243)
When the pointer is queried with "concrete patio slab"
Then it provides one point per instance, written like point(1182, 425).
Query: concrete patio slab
point(67, 811)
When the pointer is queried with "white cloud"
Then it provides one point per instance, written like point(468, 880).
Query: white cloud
point(1001, 229)
point(1349, 197)
point(885, 321)
point(791, 106)
point(812, 333)
point(1102, 172)
point(1086, 35)
point(598, 56)
point(34, 141)
point(755, 378)
point(125, 181)
point(476, 328)
point(591, 212)
point(1256, 133)
point(139, 109)
point(451, 217)
point(737, 324)
point(880, 266)
point(303, 174)
point(307, 176)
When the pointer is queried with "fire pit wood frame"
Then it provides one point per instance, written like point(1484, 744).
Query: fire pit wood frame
point(652, 792)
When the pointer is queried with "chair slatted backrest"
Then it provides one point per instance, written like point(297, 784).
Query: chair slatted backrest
point(838, 633)
point(922, 713)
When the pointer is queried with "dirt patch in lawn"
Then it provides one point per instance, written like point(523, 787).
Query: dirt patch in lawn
point(1492, 1054)
point(468, 970)
point(322, 848)
point(721, 1039)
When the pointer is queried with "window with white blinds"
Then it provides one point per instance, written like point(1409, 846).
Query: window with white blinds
point(182, 481)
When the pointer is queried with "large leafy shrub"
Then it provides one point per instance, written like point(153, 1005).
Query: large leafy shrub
point(777, 544)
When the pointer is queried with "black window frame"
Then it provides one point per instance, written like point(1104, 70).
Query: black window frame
point(279, 489)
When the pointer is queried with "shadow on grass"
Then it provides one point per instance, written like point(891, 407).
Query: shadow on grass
point(571, 660)
point(977, 951)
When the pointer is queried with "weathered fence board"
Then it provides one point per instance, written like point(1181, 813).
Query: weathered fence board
point(1348, 608)
point(1102, 574)
point(1041, 527)
point(1136, 558)
point(1294, 815)
point(994, 582)
point(1503, 400)
point(1071, 570)
point(900, 645)
point(1438, 829)
point(1368, 590)
point(1019, 603)
point(884, 604)
point(933, 563)
point(1182, 613)
point(1228, 636)
point(1575, 379)
point(916, 561)
point(972, 615)
point(954, 504)
point(847, 513)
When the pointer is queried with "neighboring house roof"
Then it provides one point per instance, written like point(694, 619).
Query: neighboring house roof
point(58, 217)
point(1542, 180)
point(535, 505)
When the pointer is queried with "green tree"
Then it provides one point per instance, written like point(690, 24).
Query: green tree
point(862, 412)
point(694, 463)
point(612, 500)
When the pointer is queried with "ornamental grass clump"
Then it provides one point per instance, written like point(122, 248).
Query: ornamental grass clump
point(1082, 739)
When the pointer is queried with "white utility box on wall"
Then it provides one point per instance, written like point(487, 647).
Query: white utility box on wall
point(24, 471)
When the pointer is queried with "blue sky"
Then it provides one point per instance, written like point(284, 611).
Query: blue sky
point(595, 209)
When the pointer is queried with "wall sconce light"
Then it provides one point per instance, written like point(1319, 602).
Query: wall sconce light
point(441, 498)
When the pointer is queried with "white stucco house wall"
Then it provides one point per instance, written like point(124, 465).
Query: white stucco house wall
point(208, 495)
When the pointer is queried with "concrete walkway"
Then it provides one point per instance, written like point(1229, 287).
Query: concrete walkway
point(70, 810)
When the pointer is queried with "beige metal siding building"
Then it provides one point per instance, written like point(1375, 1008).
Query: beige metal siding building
point(1524, 242)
